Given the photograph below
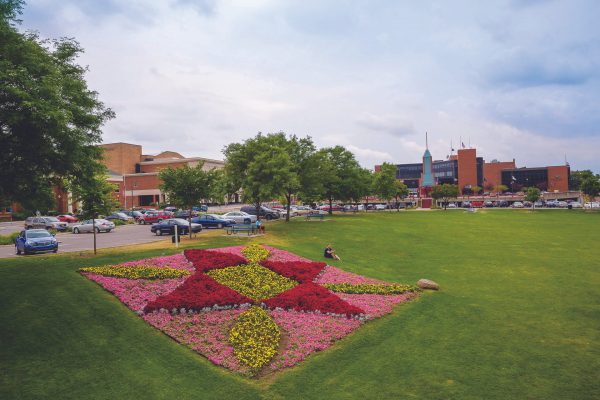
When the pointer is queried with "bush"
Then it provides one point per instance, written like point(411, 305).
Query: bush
point(8, 239)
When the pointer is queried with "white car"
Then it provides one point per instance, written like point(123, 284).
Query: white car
point(451, 205)
point(592, 204)
point(101, 225)
point(575, 204)
point(518, 204)
point(380, 206)
point(562, 204)
point(240, 217)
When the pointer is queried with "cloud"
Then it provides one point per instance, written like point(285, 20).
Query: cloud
point(520, 78)
point(391, 125)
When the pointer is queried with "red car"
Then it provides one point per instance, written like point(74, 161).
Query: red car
point(67, 218)
point(154, 216)
point(334, 207)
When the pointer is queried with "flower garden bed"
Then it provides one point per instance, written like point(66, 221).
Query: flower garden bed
point(250, 309)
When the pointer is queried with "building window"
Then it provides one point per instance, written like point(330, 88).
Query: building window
point(146, 200)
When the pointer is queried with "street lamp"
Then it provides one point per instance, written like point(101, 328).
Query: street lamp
point(132, 202)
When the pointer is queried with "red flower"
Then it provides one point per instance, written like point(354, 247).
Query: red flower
point(312, 297)
point(197, 292)
point(205, 260)
point(300, 271)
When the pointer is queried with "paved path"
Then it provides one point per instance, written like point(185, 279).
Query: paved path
point(68, 242)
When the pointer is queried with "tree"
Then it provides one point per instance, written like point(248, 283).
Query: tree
point(261, 167)
point(96, 195)
point(444, 192)
point(384, 182)
point(187, 186)
point(489, 187)
point(338, 173)
point(361, 186)
point(303, 172)
point(476, 189)
point(532, 194)
point(400, 192)
point(577, 177)
point(50, 121)
point(590, 187)
point(500, 189)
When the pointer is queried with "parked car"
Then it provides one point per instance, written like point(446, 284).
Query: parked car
point(168, 227)
point(101, 225)
point(380, 206)
point(575, 204)
point(538, 204)
point(488, 204)
point(518, 204)
point(334, 207)
point(502, 203)
point(451, 205)
point(302, 210)
point(151, 217)
point(45, 223)
point(527, 204)
point(170, 209)
point(240, 217)
point(200, 208)
point(562, 204)
point(66, 218)
point(185, 214)
point(212, 221)
point(119, 215)
point(264, 212)
point(134, 214)
point(35, 240)
point(592, 204)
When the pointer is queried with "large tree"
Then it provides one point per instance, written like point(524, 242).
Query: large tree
point(186, 186)
point(590, 187)
point(50, 121)
point(261, 167)
point(400, 192)
point(96, 195)
point(384, 182)
point(339, 173)
point(303, 172)
point(532, 195)
point(577, 177)
point(444, 193)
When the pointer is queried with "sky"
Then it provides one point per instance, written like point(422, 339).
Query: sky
point(514, 78)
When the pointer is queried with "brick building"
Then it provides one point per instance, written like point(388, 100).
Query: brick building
point(136, 174)
point(467, 170)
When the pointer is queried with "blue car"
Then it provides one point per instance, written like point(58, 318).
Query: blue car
point(35, 240)
point(212, 221)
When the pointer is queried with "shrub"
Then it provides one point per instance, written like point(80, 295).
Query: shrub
point(8, 239)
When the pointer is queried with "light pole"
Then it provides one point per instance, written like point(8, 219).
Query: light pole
point(132, 202)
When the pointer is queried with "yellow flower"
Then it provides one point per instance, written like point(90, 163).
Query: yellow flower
point(136, 272)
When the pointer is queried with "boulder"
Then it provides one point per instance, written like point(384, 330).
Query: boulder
point(427, 284)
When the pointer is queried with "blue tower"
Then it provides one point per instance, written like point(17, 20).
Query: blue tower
point(427, 176)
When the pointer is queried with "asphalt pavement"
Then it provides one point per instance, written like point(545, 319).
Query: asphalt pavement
point(69, 242)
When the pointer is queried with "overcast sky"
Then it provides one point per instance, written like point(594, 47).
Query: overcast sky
point(514, 78)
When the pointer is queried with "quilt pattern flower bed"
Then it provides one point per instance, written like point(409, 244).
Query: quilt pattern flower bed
point(253, 309)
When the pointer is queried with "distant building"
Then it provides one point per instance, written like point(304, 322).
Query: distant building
point(467, 170)
point(136, 174)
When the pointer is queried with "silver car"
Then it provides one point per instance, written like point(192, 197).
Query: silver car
point(45, 223)
point(240, 217)
point(101, 225)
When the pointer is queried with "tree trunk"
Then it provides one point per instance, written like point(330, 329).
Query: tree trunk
point(190, 222)
point(288, 197)
point(257, 205)
point(94, 231)
point(330, 205)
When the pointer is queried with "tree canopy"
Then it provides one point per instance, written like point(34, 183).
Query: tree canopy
point(187, 186)
point(261, 167)
point(532, 194)
point(444, 192)
point(50, 121)
point(384, 182)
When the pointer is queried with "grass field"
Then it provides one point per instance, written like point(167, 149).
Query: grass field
point(518, 317)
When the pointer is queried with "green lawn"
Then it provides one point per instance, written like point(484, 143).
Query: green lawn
point(518, 317)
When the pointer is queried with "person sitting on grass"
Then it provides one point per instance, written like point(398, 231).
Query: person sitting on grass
point(330, 253)
point(260, 226)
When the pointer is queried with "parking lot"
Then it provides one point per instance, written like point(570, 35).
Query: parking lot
point(68, 242)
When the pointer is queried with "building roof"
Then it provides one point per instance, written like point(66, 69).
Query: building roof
point(180, 160)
